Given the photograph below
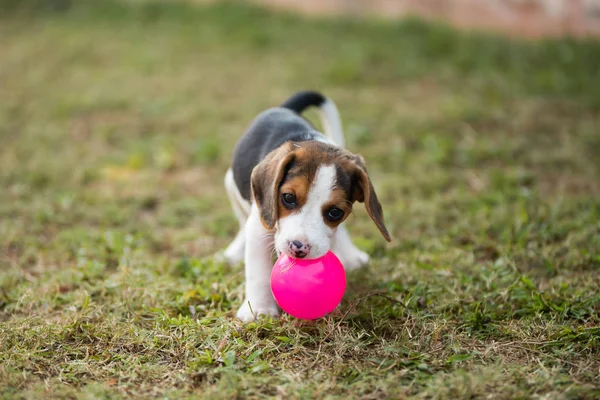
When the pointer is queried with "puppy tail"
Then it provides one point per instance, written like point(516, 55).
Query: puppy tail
point(330, 117)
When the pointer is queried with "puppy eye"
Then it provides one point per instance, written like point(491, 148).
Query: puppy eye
point(289, 200)
point(334, 214)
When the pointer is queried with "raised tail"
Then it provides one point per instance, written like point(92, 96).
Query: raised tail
point(330, 117)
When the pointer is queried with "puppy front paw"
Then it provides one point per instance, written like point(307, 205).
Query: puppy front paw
point(354, 260)
point(248, 313)
point(233, 257)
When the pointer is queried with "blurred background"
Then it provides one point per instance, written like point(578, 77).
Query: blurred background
point(126, 112)
point(530, 18)
point(479, 121)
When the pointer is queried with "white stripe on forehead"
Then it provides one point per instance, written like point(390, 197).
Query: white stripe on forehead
point(321, 188)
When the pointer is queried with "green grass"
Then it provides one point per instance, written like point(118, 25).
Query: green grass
point(117, 121)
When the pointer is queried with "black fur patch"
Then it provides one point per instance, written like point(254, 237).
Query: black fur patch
point(267, 132)
point(302, 100)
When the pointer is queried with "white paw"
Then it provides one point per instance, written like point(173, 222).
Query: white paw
point(232, 256)
point(248, 314)
point(354, 259)
point(223, 257)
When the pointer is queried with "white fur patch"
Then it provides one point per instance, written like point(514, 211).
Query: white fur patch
point(332, 123)
point(307, 225)
point(234, 253)
point(350, 256)
point(259, 299)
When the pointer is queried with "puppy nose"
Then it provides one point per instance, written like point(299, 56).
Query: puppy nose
point(298, 249)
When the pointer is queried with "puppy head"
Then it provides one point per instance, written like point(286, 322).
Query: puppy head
point(306, 190)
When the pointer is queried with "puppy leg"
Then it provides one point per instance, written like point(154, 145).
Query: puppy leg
point(259, 299)
point(348, 253)
point(234, 253)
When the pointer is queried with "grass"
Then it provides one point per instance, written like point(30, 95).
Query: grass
point(117, 121)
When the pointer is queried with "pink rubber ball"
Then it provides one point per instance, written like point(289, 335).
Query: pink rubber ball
point(308, 289)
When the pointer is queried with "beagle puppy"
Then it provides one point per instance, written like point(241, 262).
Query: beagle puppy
point(291, 189)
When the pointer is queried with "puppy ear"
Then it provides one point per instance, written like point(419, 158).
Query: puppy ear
point(265, 181)
point(365, 192)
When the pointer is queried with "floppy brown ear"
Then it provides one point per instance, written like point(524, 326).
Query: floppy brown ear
point(265, 180)
point(365, 192)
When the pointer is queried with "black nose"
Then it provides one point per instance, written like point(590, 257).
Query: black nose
point(298, 244)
